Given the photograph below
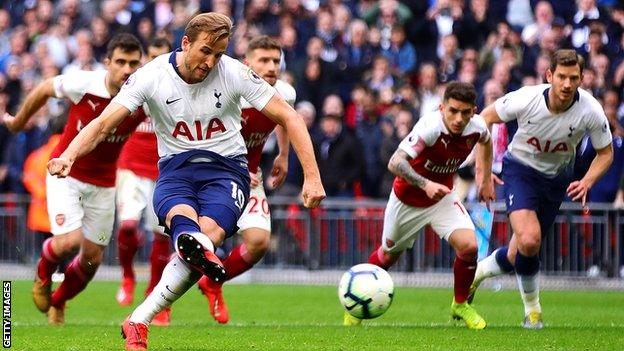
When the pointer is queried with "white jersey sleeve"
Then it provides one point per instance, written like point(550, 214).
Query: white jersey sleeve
point(139, 87)
point(286, 91)
point(479, 124)
point(427, 130)
point(250, 86)
point(511, 105)
point(598, 126)
point(75, 85)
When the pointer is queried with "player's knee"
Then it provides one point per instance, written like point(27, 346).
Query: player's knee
point(90, 260)
point(129, 225)
point(468, 252)
point(529, 244)
point(66, 245)
point(258, 245)
point(216, 236)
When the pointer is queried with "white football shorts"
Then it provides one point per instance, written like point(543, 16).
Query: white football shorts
point(134, 199)
point(402, 222)
point(256, 214)
point(73, 204)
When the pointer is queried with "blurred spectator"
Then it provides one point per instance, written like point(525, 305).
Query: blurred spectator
point(393, 132)
point(339, 157)
point(355, 58)
point(400, 54)
point(544, 16)
point(448, 59)
point(21, 145)
point(380, 77)
point(368, 132)
point(586, 13)
point(84, 61)
point(519, 13)
point(5, 32)
point(475, 25)
point(428, 93)
point(71, 10)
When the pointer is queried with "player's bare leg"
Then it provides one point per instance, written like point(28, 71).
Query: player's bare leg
point(128, 244)
point(465, 244)
point(78, 274)
point(241, 259)
point(527, 231)
point(55, 249)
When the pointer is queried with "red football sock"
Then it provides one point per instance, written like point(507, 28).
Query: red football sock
point(128, 244)
point(237, 262)
point(76, 279)
point(378, 258)
point(159, 258)
point(464, 273)
point(48, 263)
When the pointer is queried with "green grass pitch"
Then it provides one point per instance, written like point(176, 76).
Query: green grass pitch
point(266, 317)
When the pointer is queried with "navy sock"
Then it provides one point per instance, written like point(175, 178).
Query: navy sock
point(527, 265)
point(181, 224)
point(502, 260)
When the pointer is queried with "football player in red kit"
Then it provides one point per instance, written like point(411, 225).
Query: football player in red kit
point(424, 164)
point(81, 206)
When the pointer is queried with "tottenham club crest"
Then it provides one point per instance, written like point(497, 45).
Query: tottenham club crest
point(218, 96)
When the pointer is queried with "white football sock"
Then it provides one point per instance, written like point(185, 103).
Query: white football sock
point(202, 239)
point(177, 278)
point(487, 268)
point(529, 290)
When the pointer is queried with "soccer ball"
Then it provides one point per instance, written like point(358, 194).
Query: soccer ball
point(366, 291)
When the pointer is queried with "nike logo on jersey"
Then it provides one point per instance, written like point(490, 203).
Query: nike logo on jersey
point(92, 104)
point(511, 199)
point(572, 129)
point(169, 102)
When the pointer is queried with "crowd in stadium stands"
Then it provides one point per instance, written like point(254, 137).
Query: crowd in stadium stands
point(364, 71)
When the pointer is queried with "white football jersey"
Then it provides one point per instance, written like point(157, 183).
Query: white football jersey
point(547, 142)
point(285, 90)
point(205, 115)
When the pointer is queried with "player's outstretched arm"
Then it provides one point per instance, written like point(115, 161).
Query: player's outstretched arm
point(88, 138)
point(33, 102)
point(483, 171)
point(399, 165)
point(578, 189)
point(490, 116)
point(280, 164)
point(283, 114)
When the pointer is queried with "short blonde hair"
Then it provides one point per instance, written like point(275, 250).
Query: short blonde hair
point(218, 26)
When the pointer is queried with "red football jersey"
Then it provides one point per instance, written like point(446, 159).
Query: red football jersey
point(436, 154)
point(89, 96)
point(256, 127)
point(140, 154)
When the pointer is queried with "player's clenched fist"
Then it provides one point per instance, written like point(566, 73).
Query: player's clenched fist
point(313, 193)
point(59, 167)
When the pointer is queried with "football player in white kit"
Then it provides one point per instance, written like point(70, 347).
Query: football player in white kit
point(552, 119)
point(263, 56)
point(193, 95)
point(425, 164)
